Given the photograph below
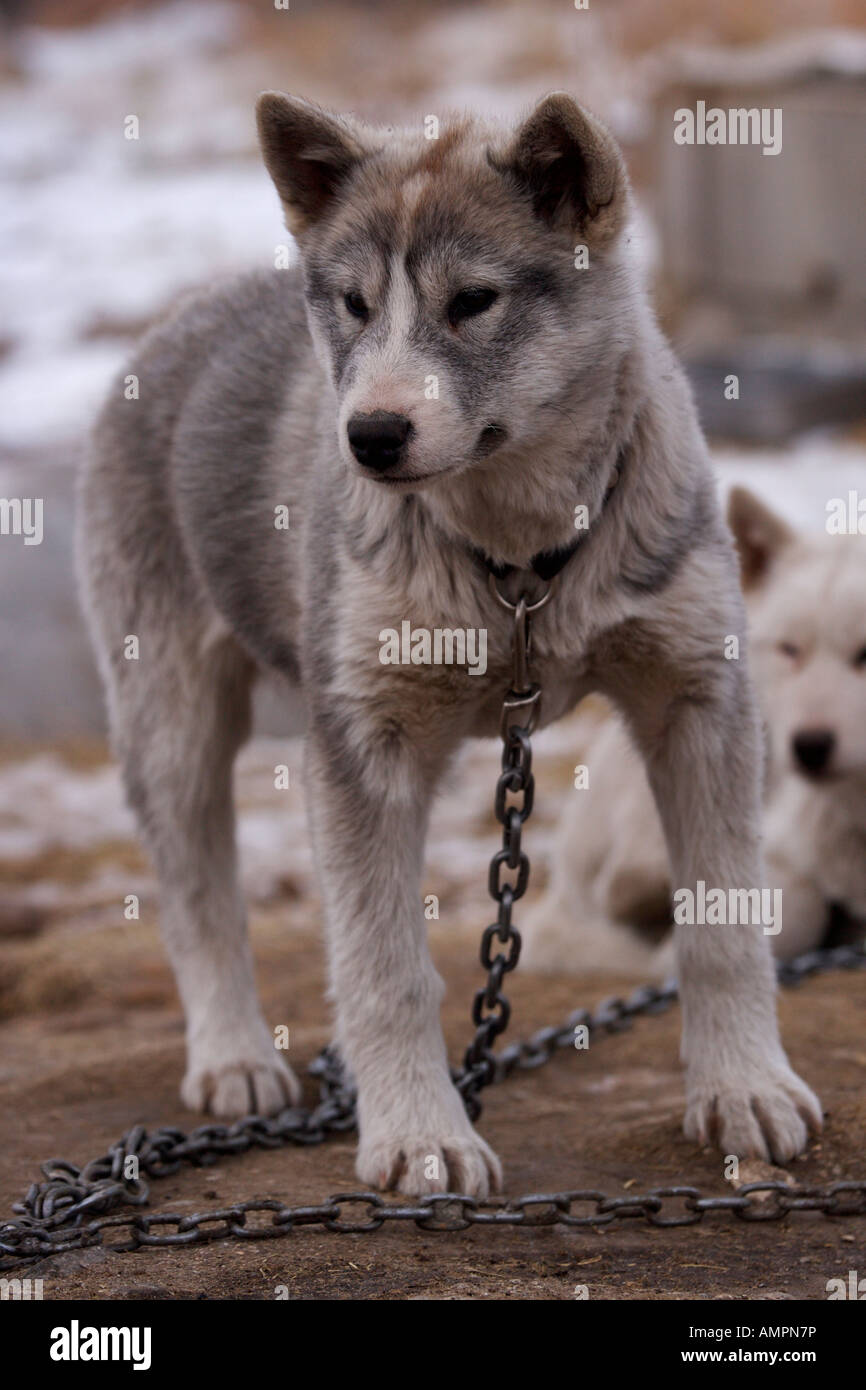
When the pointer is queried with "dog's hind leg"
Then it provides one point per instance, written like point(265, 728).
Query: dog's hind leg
point(702, 744)
point(179, 712)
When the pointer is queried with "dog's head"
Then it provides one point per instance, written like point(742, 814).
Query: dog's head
point(806, 597)
point(456, 285)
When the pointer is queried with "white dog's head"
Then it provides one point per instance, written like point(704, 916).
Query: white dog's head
point(806, 597)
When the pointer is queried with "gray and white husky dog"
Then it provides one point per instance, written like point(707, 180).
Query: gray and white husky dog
point(464, 358)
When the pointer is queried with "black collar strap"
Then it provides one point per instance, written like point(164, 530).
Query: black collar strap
point(547, 564)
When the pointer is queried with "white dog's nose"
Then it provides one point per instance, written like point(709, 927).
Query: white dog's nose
point(813, 749)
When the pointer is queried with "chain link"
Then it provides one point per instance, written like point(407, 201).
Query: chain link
point(491, 1010)
point(66, 1210)
point(61, 1213)
point(358, 1213)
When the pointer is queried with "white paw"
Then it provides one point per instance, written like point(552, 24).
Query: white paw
point(417, 1158)
point(759, 1113)
point(245, 1085)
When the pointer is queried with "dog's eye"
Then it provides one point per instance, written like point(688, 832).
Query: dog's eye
point(468, 303)
point(790, 650)
point(860, 658)
point(356, 304)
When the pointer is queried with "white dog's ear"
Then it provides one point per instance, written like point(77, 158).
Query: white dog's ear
point(308, 153)
point(572, 168)
point(759, 533)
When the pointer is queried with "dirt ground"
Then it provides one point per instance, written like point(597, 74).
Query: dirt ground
point(91, 1043)
point(607, 1118)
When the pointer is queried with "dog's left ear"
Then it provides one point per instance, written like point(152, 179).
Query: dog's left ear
point(572, 168)
point(760, 535)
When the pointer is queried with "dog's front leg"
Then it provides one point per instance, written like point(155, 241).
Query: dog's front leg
point(369, 799)
point(703, 753)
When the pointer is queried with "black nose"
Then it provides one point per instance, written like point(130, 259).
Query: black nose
point(377, 440)
point(813, 748)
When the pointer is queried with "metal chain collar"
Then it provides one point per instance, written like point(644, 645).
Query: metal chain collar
point(64, 1212)
point(491, 1010)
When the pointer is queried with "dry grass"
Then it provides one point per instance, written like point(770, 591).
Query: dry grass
point(64, 864)
point(80, 753)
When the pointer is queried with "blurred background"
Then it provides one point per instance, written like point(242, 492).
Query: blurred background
point(756, 264)
point(756, 261)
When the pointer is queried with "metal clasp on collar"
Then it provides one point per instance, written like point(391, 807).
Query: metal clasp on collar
point(512, 607)
point(522, 703)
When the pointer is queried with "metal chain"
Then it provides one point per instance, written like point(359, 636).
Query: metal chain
point(491, 1010)
point(54, 1213)
point(442, 1211)
point(60, 1213)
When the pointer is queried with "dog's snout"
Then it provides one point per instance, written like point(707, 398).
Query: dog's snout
point(813, 749)
point(377, 440)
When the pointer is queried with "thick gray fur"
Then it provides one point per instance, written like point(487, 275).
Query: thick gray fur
point(245, 393)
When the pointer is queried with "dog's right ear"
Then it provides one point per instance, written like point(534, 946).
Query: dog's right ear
point(308, 153)
point(759, 533)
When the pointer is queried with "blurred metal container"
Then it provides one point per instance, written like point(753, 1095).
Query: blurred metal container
point(779, 238)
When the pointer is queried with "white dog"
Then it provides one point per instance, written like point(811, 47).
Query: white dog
point(609, 901)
